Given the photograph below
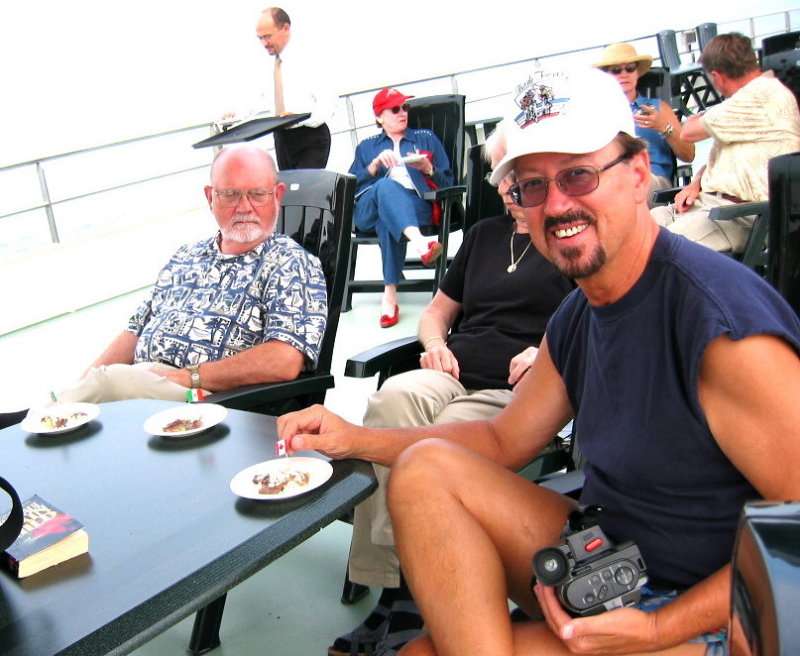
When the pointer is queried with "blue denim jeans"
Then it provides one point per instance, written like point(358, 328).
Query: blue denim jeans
point(387, 208)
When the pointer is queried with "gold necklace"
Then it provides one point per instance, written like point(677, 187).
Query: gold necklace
point(513, 266)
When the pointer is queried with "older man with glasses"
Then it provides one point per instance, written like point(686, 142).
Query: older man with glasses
point(245, 306)
point(681, 370)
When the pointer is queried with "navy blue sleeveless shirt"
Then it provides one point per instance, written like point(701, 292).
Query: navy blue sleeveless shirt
point(631, 370)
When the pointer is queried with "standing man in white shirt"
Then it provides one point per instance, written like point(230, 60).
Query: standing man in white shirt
point(299, 87)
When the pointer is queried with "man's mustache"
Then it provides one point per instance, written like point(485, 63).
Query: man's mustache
point(551, 222)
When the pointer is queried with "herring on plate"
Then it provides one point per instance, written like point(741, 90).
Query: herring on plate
point(53, 422)
point(277, 481)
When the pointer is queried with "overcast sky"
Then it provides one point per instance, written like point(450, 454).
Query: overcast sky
point(90, 71)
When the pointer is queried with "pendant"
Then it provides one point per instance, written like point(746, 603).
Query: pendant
point(511, 268)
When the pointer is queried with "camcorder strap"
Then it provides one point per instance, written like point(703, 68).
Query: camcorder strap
point(12, 522)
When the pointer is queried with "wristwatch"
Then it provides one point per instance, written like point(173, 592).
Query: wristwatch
point(194, 372)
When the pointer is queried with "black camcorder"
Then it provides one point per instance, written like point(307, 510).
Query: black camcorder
point(590, 573)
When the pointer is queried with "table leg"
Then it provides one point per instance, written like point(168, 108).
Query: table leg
point(205, 633)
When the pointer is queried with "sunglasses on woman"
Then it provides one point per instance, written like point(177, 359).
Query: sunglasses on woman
point(399, 108)
point(616, 70)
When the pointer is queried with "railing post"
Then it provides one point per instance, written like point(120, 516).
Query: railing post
point(48, 207)
point(454, 84)
point(351, 119)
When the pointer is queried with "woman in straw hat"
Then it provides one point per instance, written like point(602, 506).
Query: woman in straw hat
point(656, 123)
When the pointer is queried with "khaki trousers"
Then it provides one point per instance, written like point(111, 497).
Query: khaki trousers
point(722, 236)
point(415, 398)
point(117, 382)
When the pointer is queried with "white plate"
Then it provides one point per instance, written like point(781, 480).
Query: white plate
point(209, 414)
point(318, 470)
point(33, 422)
point(409, 159)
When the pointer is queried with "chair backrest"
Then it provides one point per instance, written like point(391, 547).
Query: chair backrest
point(317, 212)
point(786, 66)
point(668, 49)
point(705, 32)
point(783, 266)
point(444, 116)
point(482, 198)
point(655, 83)
point(780, 43)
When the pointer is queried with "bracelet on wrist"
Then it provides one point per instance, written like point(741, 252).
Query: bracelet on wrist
point(430, 339)
point(667, 131)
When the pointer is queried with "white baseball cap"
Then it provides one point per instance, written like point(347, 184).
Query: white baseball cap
point(579, 111)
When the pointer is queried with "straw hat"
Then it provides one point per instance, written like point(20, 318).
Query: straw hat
point(624, 53)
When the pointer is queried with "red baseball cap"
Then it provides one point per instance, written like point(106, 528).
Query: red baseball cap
point(386, 99)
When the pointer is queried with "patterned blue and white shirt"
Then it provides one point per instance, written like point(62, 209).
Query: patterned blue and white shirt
point(206, 305)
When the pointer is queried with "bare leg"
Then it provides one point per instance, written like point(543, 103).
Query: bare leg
point(466, 529)
point(389, 300)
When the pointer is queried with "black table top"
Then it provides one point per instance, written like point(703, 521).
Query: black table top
point(166, 534)
point(250, 130)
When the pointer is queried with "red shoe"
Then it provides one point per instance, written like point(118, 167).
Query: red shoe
point(432, 254)
point(389, 321)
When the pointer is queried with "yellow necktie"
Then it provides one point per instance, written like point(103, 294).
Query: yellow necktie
point(279, 108)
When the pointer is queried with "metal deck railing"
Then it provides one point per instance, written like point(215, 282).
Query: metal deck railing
point(72, 197)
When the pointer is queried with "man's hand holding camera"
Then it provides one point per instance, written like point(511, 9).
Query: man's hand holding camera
point(619, 631)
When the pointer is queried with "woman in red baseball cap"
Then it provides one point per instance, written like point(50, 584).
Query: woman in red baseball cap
point(393, 170)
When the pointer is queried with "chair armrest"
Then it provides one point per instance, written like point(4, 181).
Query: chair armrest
point(665, 195)
point(444, 192)
point(737, 210)
point(569, 483)
point(256, 397)
point(379, 358)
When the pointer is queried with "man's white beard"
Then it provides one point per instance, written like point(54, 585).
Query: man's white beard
point(244, 232)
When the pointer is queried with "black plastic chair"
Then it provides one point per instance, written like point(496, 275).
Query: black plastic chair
point(482, 198)
point(780, 43)
point(705, 32)
point(786, 67)
point(690, 88)
point(444, 116)
point(317, 212)
point(783, 266)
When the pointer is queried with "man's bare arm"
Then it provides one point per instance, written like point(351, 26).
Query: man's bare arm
point(512, 438)
point(271, 362)
point(694, 130)
point(748, 390)
point(119, 351)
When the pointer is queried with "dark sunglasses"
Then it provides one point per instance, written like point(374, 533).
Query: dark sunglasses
point(399, 108)
point(576, 181)
point(616, 70)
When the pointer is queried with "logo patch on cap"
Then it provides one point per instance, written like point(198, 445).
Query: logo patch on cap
point(538, 97)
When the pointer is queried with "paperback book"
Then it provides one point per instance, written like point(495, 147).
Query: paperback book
point(49, 536)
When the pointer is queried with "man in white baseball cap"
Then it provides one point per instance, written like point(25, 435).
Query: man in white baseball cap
point(673, 361)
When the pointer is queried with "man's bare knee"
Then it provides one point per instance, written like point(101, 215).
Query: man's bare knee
point(422, 467)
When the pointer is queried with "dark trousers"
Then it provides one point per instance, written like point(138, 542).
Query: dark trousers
point(303, 148)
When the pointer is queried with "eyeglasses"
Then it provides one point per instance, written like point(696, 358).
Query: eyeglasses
point(232, 197)
point(399, 108)
point(616, 70)
point(576, 181)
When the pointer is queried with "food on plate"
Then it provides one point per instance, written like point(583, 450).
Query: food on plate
point(182, 425)
point(53, 422)
point(277, 481)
